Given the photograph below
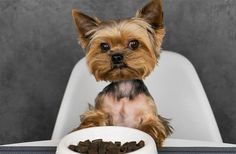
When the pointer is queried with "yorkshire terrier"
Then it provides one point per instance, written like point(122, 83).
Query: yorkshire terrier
point(124, 52)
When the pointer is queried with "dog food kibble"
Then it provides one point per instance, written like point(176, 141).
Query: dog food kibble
point(99, 146)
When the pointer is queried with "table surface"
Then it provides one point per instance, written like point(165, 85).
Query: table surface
point(170, 142)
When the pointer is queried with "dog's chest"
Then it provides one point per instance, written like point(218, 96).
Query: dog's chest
point(125, 112)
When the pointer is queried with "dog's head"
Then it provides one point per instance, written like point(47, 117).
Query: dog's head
point(122, 49)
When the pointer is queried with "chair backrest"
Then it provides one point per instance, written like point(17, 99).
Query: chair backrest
point(175, 86)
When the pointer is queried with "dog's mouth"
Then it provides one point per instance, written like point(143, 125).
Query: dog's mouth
point(119, 66)
point(120, 72)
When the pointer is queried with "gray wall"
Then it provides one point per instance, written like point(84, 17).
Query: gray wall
point(38, 49)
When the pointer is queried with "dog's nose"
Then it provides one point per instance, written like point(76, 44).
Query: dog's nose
point(117, 58)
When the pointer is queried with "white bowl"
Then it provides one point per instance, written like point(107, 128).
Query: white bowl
point(108, 133)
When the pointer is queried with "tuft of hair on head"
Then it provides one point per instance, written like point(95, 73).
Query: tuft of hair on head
point(152, 13)
point(85, 26)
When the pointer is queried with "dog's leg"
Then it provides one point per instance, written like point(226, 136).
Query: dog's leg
point(157, 127)
point(93, 118)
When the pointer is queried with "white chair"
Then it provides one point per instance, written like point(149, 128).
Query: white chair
point(175, 86)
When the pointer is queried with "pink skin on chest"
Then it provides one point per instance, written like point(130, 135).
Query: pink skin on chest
point(129, 113)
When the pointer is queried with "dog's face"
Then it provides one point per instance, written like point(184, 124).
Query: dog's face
point(122, 49)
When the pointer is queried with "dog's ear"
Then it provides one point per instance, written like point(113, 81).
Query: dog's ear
point(85, 26)
point(152, 13)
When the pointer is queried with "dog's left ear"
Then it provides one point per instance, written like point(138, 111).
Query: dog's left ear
point(152, 13)
point(85, 26)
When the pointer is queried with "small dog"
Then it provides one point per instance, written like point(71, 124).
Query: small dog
point(124, 52)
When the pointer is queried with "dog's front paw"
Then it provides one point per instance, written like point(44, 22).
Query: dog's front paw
point(158, 128)
point(93, 118)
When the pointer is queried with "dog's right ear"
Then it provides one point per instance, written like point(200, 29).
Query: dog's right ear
point(85, 26)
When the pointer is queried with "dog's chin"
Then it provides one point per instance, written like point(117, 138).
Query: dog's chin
point(122, 72)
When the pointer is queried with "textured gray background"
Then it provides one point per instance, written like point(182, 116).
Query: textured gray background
point(38, 49)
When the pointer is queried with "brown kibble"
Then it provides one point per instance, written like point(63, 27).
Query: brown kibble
point(92, 151)
point(97, 141)
point(73, 148)
point(98, 146)
point(141, 144)
point(132, 146)
point(82, 149)
point(118, 144)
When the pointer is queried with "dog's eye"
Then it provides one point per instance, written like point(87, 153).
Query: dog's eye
point(104, 46)
point(133, 44)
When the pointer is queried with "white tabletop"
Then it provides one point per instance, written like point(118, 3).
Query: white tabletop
point(170, 142)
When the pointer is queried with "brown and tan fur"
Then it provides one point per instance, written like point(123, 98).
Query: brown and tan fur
point(140, 111)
